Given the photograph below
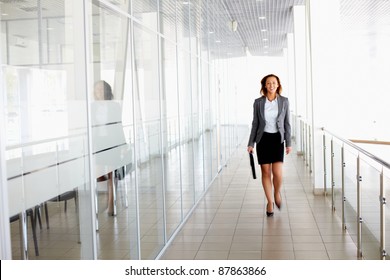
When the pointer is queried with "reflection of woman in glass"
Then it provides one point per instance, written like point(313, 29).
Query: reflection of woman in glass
point(100, 115)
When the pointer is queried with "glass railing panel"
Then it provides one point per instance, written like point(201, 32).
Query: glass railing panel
point(370, 210)
point(350, 192)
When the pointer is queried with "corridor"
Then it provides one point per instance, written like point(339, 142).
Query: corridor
point(230, 221)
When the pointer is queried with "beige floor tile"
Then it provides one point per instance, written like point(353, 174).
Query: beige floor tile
point(277, 239)
point(342, 255)
point(307, 239)
point(215, 246)
point(311, 255)
point(179, 255)
point(246, 246)
point(268, 246)
point(309, 247)
point(218, 239)
point(185, 246)
point(277, 255)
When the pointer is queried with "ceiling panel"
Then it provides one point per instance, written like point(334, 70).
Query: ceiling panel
point(262, 25)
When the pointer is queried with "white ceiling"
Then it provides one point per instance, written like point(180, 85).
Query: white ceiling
point(262, 25)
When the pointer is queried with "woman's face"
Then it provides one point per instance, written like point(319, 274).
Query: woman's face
point(98, 91)
point(271, 84)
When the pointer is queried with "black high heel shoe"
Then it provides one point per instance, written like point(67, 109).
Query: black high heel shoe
point(269, 214)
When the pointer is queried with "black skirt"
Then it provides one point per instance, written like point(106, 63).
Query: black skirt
point(270, 149)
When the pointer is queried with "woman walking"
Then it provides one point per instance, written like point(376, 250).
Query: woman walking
point(271, 133)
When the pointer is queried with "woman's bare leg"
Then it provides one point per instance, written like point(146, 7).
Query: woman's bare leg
point(277, 172)
point(267, 185)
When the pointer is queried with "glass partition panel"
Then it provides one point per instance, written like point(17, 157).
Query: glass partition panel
point(197, 125)
point(47, 144)
point(112, 130)
point(350, 192)
point(183, 24)
point(24, 44)
point(55, 48)
point(207, 123)
point(370, 210)
point(3, 41)
point(168, 18)
point(145, 11)
point(148, 142)
point(214, 127)
point(186, 130)
point(171, 137)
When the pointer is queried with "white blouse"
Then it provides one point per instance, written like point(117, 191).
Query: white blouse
point(271, 114)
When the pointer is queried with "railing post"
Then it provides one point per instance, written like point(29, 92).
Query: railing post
point(303, 139)
point(358, 214)
point(382, 218)
point(332, 172)
point(309, 150)
point(324, 149)
point(307, 144)
point(344, 225)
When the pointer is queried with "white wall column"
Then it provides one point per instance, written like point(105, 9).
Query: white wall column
point(323, 27)
point(299, 72)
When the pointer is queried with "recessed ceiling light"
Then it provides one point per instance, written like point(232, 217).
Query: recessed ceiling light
point(263, 30)
point(265, 39)
point(262, 17)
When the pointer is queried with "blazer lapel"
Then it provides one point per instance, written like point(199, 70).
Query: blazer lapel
point(262, 107)
point(280, 105)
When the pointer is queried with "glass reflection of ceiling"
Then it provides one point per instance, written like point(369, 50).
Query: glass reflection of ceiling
point(262, 25)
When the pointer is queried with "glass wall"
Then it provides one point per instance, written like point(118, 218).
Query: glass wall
point(47, 143)
point(115, 124)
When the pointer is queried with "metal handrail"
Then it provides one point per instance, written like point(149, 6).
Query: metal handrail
point(361, 150)
point(359, 211)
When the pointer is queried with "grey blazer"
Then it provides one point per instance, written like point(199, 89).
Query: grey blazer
point(258, 123)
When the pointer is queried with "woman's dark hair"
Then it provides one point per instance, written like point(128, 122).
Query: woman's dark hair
point(107, 90)
point(263, 90)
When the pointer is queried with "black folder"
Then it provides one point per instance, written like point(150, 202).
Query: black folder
point(252, 161)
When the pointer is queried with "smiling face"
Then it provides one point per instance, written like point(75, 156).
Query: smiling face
point(271, 84)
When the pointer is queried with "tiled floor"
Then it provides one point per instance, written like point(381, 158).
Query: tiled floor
point(230, 220)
